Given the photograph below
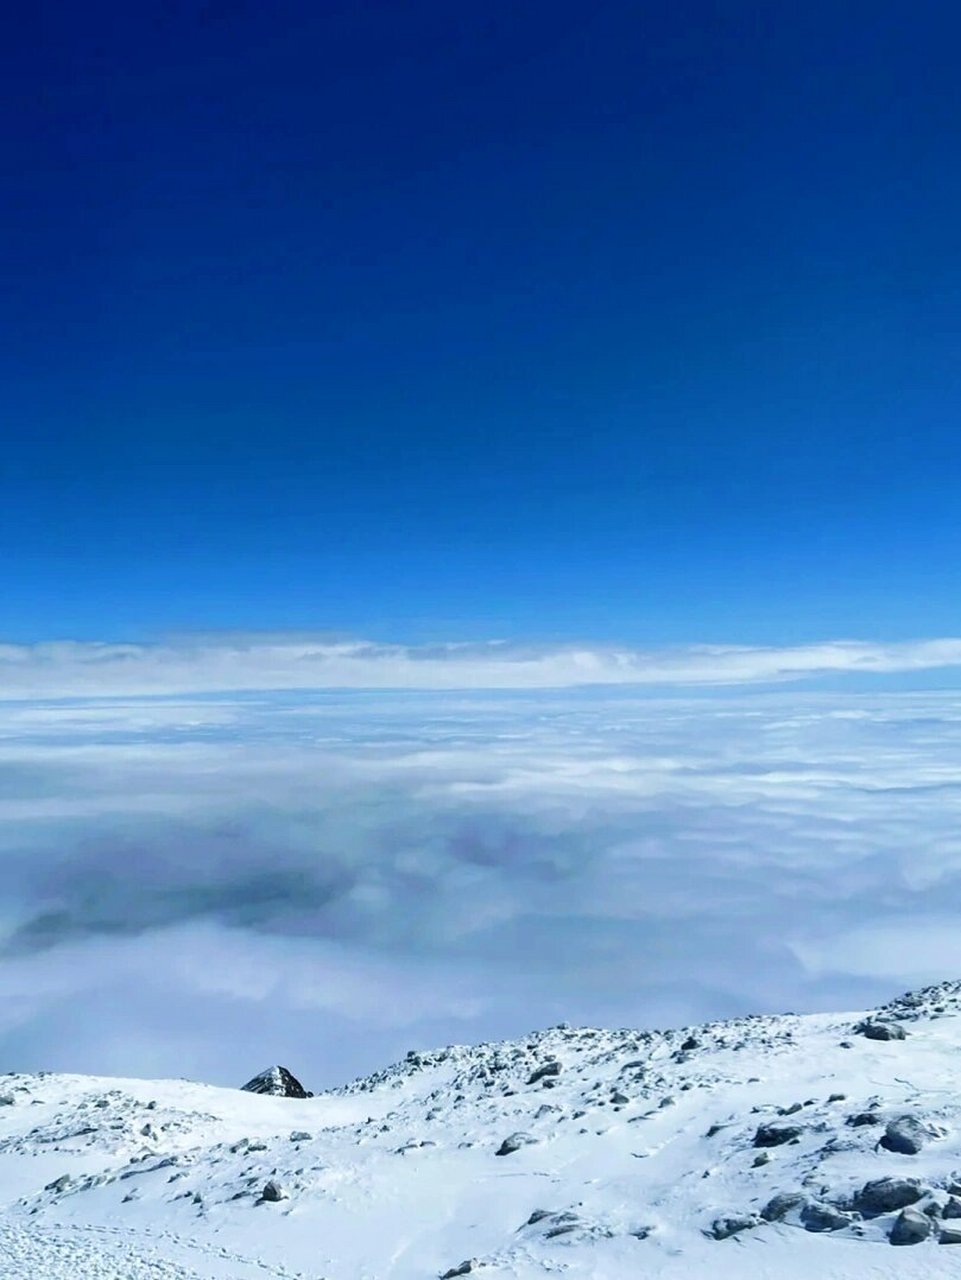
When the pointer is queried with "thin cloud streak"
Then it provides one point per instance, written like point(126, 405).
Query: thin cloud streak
point(228, 665)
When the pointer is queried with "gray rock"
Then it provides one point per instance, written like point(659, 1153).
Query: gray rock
point(881, 1030)
point(59, 1184)
point(301, 1135)
point(782, 1204)
point(883, 1195)
point(544, 1072)
point(514, 1143)
point(465, 1268)
point(950, 1234)
point(816, 1216)
point(911, 1226)
point(951, 1208)
point(724, 1228)
point(273, 1192)
point(775, 1135)
point(862, 1118)
point(906, 1135)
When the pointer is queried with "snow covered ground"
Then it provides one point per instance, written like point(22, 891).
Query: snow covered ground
point(753, 1147)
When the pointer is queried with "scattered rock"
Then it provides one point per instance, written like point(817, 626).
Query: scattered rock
point(906, 1135)
point(277, 1082)
point(300, 1135)
point(762, 1158)
point(910, 1227)
point(782, 1204)
point(949, 1235)
point(951, 1208)
point(273, 1192)
point(724, 1228)
point(775, 1135)
point(59, 1184)
point(542, 1073)
point(514, 1143)
point(862, 1118)
point(881, 1030)
point(883, 1195)
point(816, 1216)
point(464, 1269)
point(690, 1044)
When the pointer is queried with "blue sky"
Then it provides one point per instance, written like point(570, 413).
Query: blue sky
point(430, 322)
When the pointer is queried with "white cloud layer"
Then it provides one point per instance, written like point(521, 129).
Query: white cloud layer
point(201, 886)
point(221, 665)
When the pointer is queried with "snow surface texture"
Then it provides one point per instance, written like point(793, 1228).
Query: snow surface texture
point(777, 1147)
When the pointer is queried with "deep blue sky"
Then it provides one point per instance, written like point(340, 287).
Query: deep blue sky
point(416, 320)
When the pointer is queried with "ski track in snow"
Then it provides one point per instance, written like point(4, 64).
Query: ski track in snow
point(633, 1146)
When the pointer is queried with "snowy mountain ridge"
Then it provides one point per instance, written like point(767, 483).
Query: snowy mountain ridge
point(779, 1146)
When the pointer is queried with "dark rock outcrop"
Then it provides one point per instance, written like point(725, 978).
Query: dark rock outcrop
point(277, 1082)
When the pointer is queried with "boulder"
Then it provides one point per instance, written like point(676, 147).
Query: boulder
point(464, 1269)
point(514, 1143)
point(724, 1228)
point(911, 1226)
point(883, 1195)
point(775, 1135)
point(950, 1234)
point(951, 1208)
point(543, 1073)
point(881, 1030)
point(816, 1216)
point(273, 1192)
point(782, 1204)
point(906, 1135)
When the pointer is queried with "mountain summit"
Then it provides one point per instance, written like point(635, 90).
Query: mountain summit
point(277, 1082)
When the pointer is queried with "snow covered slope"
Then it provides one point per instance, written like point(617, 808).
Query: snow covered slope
point(785, 1148)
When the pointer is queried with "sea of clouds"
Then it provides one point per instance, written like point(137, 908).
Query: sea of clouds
point(202, 885)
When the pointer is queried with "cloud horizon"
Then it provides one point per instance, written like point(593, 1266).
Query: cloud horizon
point(233, 664)
point(195, 885)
